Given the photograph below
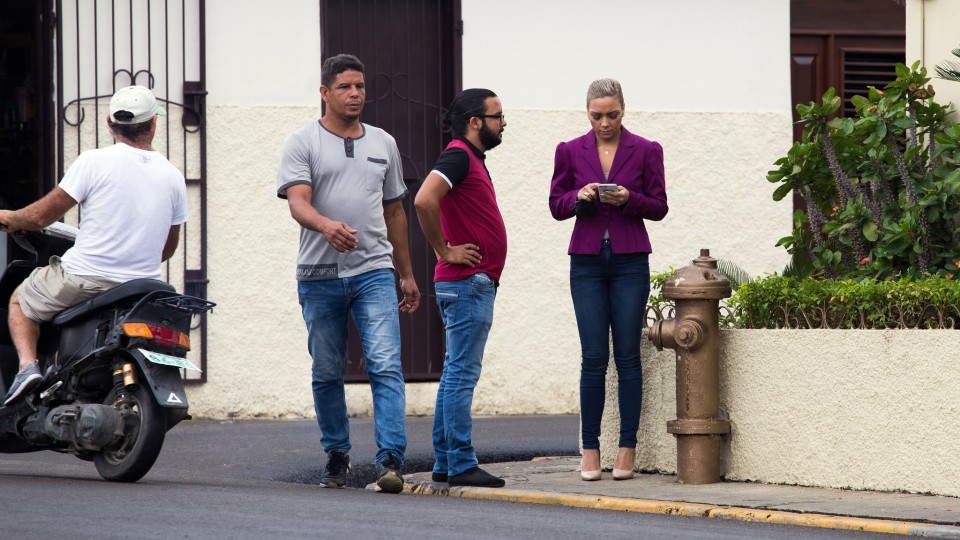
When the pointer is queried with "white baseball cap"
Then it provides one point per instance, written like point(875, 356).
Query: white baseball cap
point(133, 105)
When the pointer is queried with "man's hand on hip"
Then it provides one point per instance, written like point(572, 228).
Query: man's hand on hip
point(466, 254)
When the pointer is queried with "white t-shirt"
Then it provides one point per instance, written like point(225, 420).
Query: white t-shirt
point(129, 199)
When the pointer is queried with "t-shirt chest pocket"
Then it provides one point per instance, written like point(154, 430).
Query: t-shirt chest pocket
point(376, 173)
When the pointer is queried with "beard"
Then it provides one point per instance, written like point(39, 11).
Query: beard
point(489, 138)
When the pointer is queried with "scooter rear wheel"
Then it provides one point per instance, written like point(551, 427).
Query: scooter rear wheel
point(133, 457)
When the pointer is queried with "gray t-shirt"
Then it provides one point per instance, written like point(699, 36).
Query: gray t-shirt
point(351, 180)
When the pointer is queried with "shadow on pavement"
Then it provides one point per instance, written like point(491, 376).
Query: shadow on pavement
point(363, 474)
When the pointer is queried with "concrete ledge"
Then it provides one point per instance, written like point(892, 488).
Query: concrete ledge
point(848, 409)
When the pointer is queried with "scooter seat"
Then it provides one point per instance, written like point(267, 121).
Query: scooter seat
point(133, 288)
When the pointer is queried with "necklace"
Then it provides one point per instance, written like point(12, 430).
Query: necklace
point(606, 151)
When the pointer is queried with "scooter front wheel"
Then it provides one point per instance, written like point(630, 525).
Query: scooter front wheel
point(132, 457)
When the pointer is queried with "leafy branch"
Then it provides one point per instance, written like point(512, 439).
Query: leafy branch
point(879, 188)
point(949, 70)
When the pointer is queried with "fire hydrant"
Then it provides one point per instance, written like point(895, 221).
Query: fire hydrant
point(694, 333)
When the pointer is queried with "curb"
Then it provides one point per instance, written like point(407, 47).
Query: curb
point(779, 517)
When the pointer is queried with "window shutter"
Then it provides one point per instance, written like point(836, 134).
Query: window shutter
point(862, 69)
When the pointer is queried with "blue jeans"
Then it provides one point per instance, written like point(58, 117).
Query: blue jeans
point(466, 307)
point(372, 300)
point(610, 292)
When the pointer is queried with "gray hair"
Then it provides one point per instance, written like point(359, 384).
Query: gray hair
point(602, 88)
point(139, 132)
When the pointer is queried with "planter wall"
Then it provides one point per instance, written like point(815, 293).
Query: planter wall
point(859, 409)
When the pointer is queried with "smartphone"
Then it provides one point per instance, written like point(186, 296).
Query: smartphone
point(608, 188)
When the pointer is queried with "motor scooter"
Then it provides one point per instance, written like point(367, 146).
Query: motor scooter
point(111, 366)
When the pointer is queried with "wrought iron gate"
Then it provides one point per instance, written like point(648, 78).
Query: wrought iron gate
point(102, 45)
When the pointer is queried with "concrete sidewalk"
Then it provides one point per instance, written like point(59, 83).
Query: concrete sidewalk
point(556, 481)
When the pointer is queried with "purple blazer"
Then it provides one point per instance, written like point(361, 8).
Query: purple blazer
point(638, 166)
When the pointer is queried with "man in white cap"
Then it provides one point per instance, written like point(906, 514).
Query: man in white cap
point(132, 203)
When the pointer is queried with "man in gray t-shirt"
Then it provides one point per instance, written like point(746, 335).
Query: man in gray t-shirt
point(343, 182)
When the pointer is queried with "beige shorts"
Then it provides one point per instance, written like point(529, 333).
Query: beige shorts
point(49, 290)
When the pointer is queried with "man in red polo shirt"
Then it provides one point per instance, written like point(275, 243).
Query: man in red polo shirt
point(458, 212)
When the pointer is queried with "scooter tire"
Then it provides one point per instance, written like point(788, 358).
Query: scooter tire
point(134, 457)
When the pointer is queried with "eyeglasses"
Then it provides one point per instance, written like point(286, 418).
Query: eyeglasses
point(499, 116)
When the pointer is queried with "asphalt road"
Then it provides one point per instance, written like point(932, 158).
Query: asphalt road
point(289, 451)
point(258, 480)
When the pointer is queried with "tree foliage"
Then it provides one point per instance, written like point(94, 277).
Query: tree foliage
point(881, 188)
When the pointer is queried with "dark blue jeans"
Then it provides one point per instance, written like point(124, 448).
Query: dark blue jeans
point(466, 307)
point(610, 293)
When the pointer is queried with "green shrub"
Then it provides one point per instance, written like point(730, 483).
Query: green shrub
point(658, 307)
point(789, 302)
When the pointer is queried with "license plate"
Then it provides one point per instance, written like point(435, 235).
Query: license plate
point(167, 360)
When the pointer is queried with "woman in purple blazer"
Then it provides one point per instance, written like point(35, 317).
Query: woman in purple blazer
point(611, 180)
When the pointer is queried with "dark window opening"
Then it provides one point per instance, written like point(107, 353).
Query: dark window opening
point(411, 53)
point(26, 140)
point(863, 69)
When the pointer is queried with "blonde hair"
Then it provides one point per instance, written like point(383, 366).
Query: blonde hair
point(602, 88)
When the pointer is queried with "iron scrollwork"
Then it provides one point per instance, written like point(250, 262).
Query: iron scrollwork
point(193, 126)
point(828, 316)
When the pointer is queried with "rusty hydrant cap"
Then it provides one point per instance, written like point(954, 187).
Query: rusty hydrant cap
point(700, 280)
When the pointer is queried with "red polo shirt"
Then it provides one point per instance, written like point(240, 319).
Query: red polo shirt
point(469, 213)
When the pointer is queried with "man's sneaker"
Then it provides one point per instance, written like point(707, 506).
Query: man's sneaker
point(475, 477)
point(390, 479)
point(25, 381)
point(438, 477)
point(336, 471)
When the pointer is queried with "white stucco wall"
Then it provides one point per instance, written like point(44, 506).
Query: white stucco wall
point(712, 89)
point(722, 124)
point(858, 409)
point(694, 55)
point(534, 337)
point(262, 53)
point(931, 36)
point(531, 363)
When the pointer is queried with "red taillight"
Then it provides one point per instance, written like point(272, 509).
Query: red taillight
point(161, 335)
point(165, 337)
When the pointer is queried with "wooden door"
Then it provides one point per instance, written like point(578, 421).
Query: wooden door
point(411, 54)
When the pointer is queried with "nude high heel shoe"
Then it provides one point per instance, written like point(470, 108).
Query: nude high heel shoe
point(625, 457)
point(589, 476)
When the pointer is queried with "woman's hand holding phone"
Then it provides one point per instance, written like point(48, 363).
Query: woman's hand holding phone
point(588, 192)
point(613, 194)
